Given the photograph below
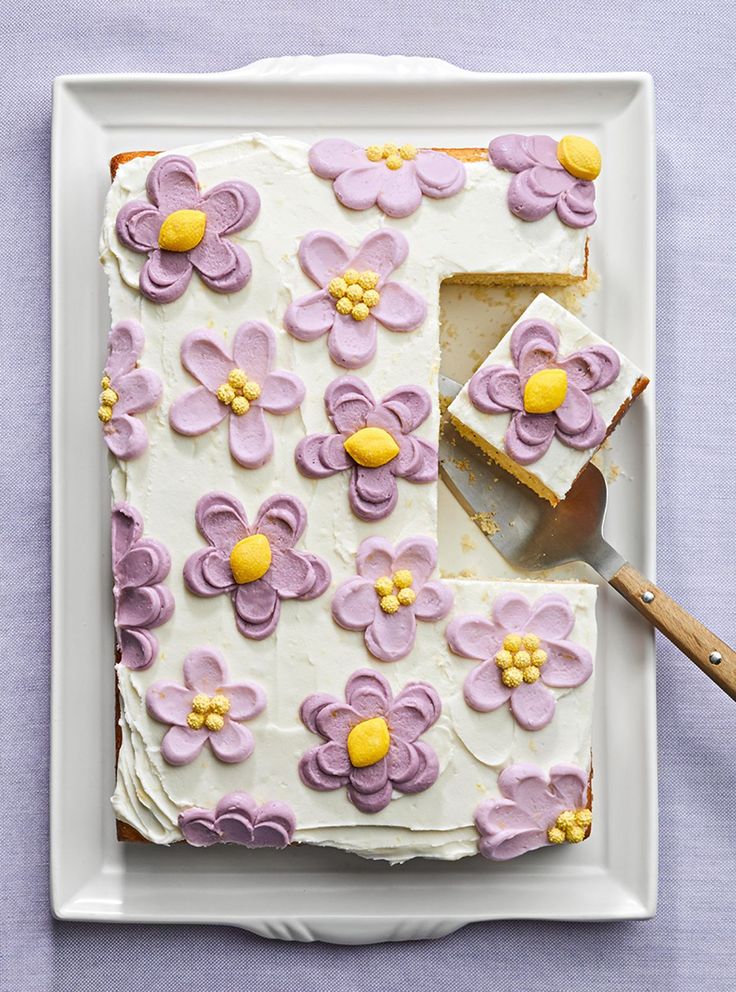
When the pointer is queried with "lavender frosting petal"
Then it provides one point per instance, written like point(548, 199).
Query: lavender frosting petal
point(251, 438)
point(568, 665)
point(125, 345)
point(196, 412)
point(439, 175)
point(230, 206)
point(400, 308)
point(522, 451)
point(533, 705)
point(332, 156)
point(222, 267)
point(137, 226)
point(483, 689)
point(390, 637)
point(311, 316)
point(323, 255)
point(359, 188)
point(348, 401)
point(400, 193)
point(551, 617)
point(382, 251)
point(221, 520)
point(473, 637)
point(531, 335)
point(351, 343)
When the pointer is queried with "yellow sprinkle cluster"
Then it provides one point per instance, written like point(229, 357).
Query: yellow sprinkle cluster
point(520, 659)
point(208, 711)
point(355, 293)
point(108, 399)
point(393, 155)
point(238, 392)
point(571, 826)
point(395, 590)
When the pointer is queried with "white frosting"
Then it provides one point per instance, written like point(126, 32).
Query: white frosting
point(560, 465)
point(471, 232)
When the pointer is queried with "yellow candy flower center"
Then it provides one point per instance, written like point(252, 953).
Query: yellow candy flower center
point(368, 742)
point(238, 392)
point(545, 391)
point(108, 399)
point(395, 591)
point(393, 155)
point(208, 711)
point(250, 559)
point(579, 156)
point(371, 447)
point(571, 826)
point(520, 659)
point(182, 230)
point(355, 293)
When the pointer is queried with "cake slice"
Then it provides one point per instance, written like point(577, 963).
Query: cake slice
point(546, 398)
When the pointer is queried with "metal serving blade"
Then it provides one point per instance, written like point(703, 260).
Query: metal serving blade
point(524, 528)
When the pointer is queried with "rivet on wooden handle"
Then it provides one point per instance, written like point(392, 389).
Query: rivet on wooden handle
point(712, 655)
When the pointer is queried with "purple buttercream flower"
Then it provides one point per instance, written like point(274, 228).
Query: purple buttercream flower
point(255, 564)
point(390, 177)
point(390, 593)
point(139, 566)
point(535, 810)
point(207, 709)
point(354, 294)
point(238, 819)
point(126, 390)
point(374, 441)
point(241, 385)
point(542, 183)
point(575, 421)
point(523, 649)
point(183, 229)
point(371, 743)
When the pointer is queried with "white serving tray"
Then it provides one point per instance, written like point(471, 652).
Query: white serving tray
point(308, 893)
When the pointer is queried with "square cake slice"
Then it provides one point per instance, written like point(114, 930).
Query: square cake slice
point(546, 398)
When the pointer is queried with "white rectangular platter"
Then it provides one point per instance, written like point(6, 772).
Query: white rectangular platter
point(310, 893)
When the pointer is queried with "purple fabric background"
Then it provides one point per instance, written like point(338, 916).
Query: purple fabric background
point(691, 942)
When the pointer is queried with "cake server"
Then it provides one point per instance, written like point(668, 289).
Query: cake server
point(532, 534)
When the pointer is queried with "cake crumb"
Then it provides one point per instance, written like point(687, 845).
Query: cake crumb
point(464, 465)
point(466, 573)
point(486, 523)
point(466, 543)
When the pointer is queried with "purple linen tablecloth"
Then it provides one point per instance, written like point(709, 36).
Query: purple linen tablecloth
point(691, 943)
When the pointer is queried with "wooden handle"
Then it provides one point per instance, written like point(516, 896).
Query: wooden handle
point(709, 653)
